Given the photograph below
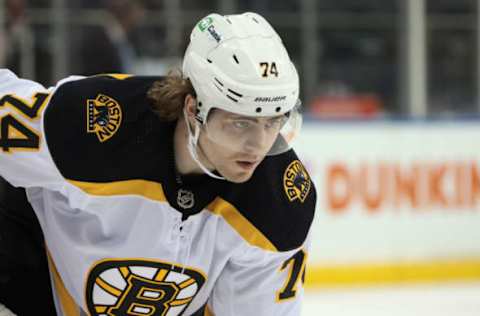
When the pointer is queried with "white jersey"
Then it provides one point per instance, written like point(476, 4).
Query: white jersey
point(127, 235)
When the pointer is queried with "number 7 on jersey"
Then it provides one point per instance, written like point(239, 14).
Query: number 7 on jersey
point(14, 134)
point(296, 265)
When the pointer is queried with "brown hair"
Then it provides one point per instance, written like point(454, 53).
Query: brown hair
point(168, 95)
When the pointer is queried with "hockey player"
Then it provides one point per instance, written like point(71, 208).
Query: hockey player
point(22, 255)
point(169, 196)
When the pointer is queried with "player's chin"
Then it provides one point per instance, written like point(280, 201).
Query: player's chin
point(238, 177)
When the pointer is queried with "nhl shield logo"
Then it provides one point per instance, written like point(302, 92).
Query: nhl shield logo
point(104, 116)
point(296, 182)
point(185, 198)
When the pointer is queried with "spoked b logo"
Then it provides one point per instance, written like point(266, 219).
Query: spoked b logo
point(136, 287)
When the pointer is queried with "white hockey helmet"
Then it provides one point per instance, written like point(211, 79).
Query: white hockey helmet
point(238, 63)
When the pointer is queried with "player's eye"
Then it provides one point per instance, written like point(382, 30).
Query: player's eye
point(241, 124)
point(276, 122)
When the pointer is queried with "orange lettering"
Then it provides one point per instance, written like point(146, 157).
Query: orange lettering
point(372, 181)
point(435, 185)
point(459, 186)
point(474, 185)
point(406, 185)
point(338, 178)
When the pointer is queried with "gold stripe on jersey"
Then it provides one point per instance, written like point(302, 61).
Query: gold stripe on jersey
point(68, 304)
point(147, 189)
point(208, 312)
point(116, 76)
point(242, 225)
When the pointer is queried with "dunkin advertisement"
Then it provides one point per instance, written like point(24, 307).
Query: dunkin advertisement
point(393, 192)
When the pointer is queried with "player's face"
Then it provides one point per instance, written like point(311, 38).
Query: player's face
point(235, 145)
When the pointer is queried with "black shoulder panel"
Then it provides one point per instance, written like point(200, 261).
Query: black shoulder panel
point(279, 200)
point(102, 129)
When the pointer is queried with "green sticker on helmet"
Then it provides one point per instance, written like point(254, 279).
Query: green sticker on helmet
point(205, 23)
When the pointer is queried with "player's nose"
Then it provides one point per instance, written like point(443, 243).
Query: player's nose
point(256, 141)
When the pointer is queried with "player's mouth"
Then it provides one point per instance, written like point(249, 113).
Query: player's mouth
point(247, 165)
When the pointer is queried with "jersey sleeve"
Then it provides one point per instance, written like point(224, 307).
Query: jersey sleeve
point(24, 157)
point(261, 283)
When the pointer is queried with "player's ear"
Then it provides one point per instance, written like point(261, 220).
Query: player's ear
point(190, 106)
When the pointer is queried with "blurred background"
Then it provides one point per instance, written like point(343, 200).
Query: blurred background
point(362, 58)
point(390, 90)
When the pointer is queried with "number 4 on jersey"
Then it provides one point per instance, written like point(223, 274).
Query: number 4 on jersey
point(15, 134)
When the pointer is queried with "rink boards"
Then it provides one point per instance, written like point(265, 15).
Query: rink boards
point(397, 201)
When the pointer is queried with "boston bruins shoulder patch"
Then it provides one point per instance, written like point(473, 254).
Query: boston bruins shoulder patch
point(296, 182)
point(141, 287)
point(104, 116)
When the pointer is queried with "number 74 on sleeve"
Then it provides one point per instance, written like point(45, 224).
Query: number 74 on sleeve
point(16, 134)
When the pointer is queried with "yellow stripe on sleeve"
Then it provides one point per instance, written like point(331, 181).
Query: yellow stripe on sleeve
point(241, 225)
point(147, 189)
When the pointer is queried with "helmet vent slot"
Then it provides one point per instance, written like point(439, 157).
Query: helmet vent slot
point(216, 86)
point(209, 60)
point(219, 82)
point(228, 20)
point(236, 93)
point(232, 98)
point(255, 20)
point(236, 59)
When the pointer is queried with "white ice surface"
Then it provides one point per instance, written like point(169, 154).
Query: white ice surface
point(459, 299)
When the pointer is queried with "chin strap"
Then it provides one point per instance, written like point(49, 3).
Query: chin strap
point(193, 144)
